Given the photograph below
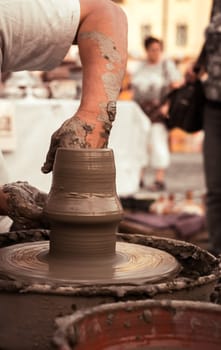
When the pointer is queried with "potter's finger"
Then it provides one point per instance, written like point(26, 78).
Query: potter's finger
point(48, 165)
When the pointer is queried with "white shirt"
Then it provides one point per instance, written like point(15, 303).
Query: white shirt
point(149, 79)
point(36, 34)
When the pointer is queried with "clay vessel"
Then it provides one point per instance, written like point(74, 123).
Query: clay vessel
point(142, 325)
point(83, 207)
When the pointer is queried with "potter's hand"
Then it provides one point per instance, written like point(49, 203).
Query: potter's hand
point(84, 130)
point(25, 205)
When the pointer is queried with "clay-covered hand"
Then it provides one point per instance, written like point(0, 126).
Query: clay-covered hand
point(25, 205)
point(80, 131)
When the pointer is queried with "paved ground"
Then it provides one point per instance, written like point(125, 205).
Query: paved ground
point(185, 173)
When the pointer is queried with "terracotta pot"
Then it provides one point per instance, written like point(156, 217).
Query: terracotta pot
point(82, 205)
point(142, 325)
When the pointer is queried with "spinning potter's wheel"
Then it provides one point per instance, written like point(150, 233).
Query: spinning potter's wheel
point(132, 263)
point(84, 212)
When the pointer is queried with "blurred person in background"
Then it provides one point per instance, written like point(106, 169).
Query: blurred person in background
point(211, 60)
point(212, 127)
point(151, 81)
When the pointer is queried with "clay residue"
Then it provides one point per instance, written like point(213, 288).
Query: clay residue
point(191, 257)
point(113, 75)
point(111, 110)
point(75, 131)
point(72, 134)
point(106, 45)
point(112, 83)
point(158, 316)
point(25, 205)
point(107, 115)
point(111, 78)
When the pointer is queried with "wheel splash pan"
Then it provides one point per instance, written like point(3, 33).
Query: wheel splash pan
point(143, 325)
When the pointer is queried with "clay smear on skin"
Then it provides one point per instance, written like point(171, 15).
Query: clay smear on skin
point(108, 50)
point(113, 76)
point(76, 132)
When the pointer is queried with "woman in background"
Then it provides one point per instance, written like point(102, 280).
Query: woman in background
point(151, 81)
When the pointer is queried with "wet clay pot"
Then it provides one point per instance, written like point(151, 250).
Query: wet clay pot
point(142, 325)
point(83, 207)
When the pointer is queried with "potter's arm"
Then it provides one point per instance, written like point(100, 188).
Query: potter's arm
point(102, 42)
point(103, 52)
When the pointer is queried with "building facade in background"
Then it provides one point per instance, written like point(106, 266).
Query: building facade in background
point(180, 23)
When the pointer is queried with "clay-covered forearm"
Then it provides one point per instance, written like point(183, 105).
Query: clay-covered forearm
point(102, 41)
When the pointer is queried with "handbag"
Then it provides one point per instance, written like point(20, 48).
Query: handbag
point(186, 103)
point(152, 111)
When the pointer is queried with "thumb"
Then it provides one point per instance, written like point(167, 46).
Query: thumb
point(48, 165)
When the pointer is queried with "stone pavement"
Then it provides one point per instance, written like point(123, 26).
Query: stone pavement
point(185, 173)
